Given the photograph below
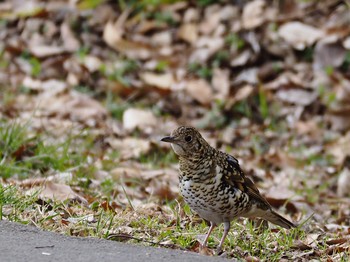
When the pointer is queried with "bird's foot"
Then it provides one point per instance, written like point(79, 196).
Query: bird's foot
point(204, 250)
point(219, 251)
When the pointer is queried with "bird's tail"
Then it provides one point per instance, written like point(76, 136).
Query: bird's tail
point(279, 220)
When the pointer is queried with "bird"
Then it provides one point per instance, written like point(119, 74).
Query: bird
point(213, 184)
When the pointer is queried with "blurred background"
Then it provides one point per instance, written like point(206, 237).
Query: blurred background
point(89, 87)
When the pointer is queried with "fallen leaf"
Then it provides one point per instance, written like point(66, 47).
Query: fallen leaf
point(221, 83)
point(43, 51)
point(188, 32)
point(206, 46)
point(339, 118)
point(200, 90)
point(241, 59)
point(191, 15)
point(147, 26)
point(162, 38)
point(73, 105)
point(164, 81)
point(92, 63)
point(133, 50)
point(311, 239)
point(130, 147)
point(60, 192)
point(300, 35)
point(346, 43)
point(243, 92)
point(121, 172)
point(70, 42)
point(248, 76)
point(138, 118)
point(300, 245)
point(297, 96)
point(113, 31)
point(253, 14)
point(211, 20)
point(337, 241)
point(87, 219)
point(113, 35)
point(50, 87)
point(343, 188)
point(328, 53)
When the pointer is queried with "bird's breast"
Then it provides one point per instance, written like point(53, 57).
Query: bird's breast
point(210, 198)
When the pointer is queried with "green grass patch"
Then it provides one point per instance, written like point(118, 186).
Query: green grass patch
point(23, 154)
point(13, 203)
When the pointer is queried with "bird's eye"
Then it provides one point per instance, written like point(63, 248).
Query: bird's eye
point(188, 139)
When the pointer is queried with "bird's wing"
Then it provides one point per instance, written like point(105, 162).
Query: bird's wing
point(234, 176)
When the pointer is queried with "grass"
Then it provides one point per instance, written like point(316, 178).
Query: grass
point(137, 226)
point(171, 225)
point(112, 212)
point(157, 159)
point(24, 154)
point(13, 203)
point(163, 229)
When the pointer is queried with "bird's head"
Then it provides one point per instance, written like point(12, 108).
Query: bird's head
point(187, 142)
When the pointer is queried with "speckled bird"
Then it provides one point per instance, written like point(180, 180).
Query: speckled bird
point(213, 184)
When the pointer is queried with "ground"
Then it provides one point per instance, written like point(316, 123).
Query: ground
point(88, 89)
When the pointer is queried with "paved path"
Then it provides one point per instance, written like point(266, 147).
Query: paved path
point(26, 243)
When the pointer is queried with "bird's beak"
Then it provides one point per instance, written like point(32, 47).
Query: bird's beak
point(168, 139)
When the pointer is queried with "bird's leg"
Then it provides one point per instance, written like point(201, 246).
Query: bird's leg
point(227, 226)
point(212, 226)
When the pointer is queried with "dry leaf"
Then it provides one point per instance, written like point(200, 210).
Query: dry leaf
point(49, 87)
point(242, 58)
point(300, 35)
point(200, 90)
point(297, 96)
point(253, 14)
point(137, 118)
point(188, 32)
point(113, 36)
point(133, 50)
point(76, 106)
point(113, 31)
point(210, 22)
point(340, 149)
point(162, 38)
point(346, 43)
point(70, 42)
point(228, 12)
point(206, 46)
point(60, 192)
point(191, 15)
point(221, 83)
point(247, 76)
point(328, 52)
point(300, 245)
point(42, 51)
point(88, 218)
point(92, 63)
point(311, 239)
point(243, 93)
point(124, 172)
point(164, 81)
point(339, 118)
point(131, 147)
point(343, 189)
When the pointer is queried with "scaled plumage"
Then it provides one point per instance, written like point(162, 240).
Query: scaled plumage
point(214, 185)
